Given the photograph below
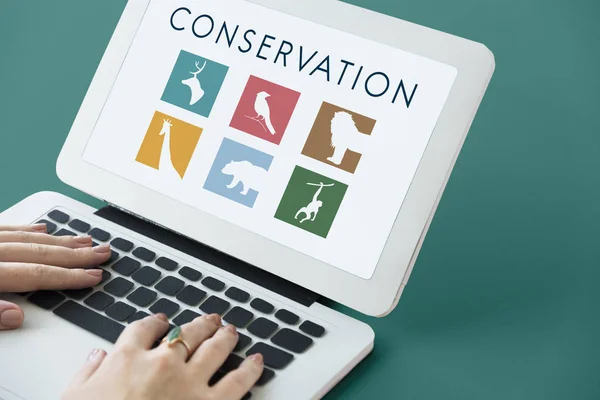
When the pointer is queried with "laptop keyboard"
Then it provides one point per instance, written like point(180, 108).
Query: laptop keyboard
point(138, 281)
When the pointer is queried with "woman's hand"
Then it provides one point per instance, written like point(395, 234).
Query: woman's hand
point(32, 260)
point(136, 371)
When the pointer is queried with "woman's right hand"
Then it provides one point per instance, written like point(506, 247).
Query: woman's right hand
point(134, 370)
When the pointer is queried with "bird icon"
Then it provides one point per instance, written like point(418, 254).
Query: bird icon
point(263, 110)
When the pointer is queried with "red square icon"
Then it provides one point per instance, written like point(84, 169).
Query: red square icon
point(265, 109)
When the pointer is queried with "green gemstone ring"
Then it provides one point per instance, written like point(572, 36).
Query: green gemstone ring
point(175, 336)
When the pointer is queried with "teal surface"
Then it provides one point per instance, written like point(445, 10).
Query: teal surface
point(504, 300)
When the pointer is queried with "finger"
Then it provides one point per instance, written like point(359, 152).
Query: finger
point(91, 365)
point(11, 316)
point(73, 242)
point(213, 352)
point(238, 382)
point(145, 332)
point(54, 255)
point(24, 228)
point(194, 333)
point(20, 277)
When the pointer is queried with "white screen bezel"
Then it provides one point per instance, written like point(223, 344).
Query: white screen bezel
point(376, 296)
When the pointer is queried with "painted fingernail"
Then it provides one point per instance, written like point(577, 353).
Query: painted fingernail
point(94, 272)
point(104, 248)
point(231, 329)
point(161, 316)
point(257, 358)
point(11, 319)
point(96, 353)
point(39, 227)
point(82, 239)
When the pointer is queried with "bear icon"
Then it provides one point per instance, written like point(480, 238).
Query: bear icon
point(244, 172)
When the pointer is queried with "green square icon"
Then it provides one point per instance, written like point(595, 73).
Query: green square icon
point(311, 201)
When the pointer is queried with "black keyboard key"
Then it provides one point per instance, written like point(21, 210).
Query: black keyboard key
point(166, 263)
point(113, 256)
point(144, 254)
point(142, 296)
point(243, 342)
point(273, 357)
point(265, 377)
point(65, 232)
point(262, 327)
point(79, 225)
point(89, 320)
point(126, 266)
point(312, 329)
point(105, 277)
point(213, 284)
point(217, 376)
point(287, 317)
point(214, 305)
point(191, 295)
point(292, 340)
point(58, 216)
point(46, 299)
point(137, 316)
point(50, 226)
point(165, 306)
point(118, 287)
point(169, 286)
point(120, 311)
point(122, 244)
point(237, 294)
point(190, 274)
point(262, 306)
point(185, 317)
point(99, 301)
point(238, 317)
point(99, 234)
point(78, 294)
point(146, 276)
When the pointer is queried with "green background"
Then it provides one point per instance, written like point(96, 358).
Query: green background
point(504, 301)
point(211, 79)
point(298, 195)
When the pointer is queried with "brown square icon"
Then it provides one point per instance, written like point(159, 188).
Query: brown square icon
point(339, 137)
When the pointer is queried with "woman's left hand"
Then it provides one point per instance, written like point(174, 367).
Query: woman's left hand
point(30, 260)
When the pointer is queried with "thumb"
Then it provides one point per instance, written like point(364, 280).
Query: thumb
point(11, 316)
point(92, 363)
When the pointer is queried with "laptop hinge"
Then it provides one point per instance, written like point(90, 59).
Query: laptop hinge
point(208, 254)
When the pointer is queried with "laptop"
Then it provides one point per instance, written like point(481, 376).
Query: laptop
point(254, 157)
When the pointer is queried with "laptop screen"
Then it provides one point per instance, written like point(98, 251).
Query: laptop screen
point(303, 134)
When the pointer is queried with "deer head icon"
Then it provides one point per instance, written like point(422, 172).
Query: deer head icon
point(194, 84)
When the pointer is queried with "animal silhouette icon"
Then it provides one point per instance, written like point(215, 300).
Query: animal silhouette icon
point(345, 136)
point(166, 162)
point(312, 209)
point(263, 112)
point(246, 173)
point(194, 84)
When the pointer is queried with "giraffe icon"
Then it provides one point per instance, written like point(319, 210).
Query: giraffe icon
point(166, 162)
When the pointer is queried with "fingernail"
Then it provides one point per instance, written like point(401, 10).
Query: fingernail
point(94, 272)
point(216, 318)
point(11, 319)
point(257, 358)
point(161, 316)
point(39, 227)
point(95, 354)
point(231, 329)
point(104, 248)
point(82, 239)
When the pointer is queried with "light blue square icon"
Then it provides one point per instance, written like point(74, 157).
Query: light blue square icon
point(239, 172)
point(195, 83)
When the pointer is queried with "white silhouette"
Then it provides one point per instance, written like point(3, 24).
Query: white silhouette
point(166, 163)
point(345, 136)
point(263, 112)
point(194, 84)
point(251, 176)
point(312, 209)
